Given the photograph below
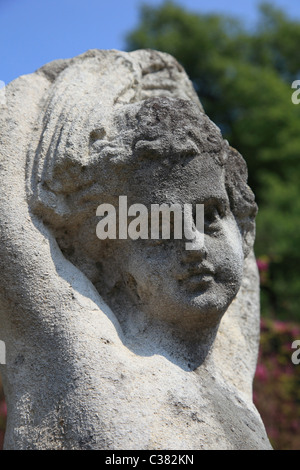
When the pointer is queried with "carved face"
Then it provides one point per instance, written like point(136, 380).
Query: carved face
point(178, 158)
point(164, 277)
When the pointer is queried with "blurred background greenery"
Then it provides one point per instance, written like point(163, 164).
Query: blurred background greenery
point(243, 77)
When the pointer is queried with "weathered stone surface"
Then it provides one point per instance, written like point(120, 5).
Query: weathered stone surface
point(123, 344)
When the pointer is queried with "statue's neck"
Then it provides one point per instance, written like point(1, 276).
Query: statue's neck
point(186, 345)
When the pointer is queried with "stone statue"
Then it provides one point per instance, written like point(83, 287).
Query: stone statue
point(123, 343)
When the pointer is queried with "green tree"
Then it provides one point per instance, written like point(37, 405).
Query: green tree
point(243, 78)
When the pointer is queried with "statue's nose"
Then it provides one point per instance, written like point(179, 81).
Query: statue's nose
point(195, 250)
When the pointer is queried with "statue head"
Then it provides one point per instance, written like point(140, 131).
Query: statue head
point(154, 149)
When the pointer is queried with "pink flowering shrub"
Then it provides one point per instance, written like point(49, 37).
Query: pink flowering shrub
point(277, 384)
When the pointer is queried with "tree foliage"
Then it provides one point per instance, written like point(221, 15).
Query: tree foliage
point(243, 78)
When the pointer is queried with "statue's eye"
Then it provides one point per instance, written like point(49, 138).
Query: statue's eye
point(210, 215)
point(213, 214)
point(97, 134)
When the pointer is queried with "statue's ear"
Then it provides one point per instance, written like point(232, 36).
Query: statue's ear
point(242, 200)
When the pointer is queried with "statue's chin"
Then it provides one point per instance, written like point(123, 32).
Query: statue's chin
point(208, 302)
point(186, 314)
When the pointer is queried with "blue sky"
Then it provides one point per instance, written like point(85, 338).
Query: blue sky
point(34, 32)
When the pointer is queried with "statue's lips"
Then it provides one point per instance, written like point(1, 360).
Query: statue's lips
point(198, 283)
point(197, 274)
